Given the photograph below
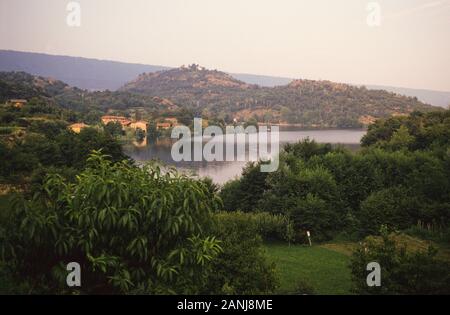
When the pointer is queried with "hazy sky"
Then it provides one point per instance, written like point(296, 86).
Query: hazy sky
point(314, 39)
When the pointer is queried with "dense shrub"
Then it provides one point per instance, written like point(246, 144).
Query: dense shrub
point(242, 267)
point(272, 226)
point(392, 207)
point(402, 272)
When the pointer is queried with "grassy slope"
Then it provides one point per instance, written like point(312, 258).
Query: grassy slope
point(324, 269)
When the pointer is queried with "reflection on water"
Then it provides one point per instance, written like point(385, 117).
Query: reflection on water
point(221, 172)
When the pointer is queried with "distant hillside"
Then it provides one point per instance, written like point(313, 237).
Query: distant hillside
point(22, 85)
point(306, 102)
point(218, 96)
point(187, 81)
point(93, 74)
point(90, 74)
point(26, 86)
point(436, 98)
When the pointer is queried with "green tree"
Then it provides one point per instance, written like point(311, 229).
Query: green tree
point(114, 129)
point(242, 267)
point(401, 139)
point(152, 132)
point(245, 193)
point(131, 229)
point(393, 207)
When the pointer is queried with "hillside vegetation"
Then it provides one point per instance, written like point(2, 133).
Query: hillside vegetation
point(94, 74)
point(219, 97)
point(306, 102)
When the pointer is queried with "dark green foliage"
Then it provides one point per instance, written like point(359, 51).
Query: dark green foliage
point(49, 128)
point(131, 230)
point(419, 131)
point(393, 207)
point(402, 272)
point(152, 132)
point(315, 215)
point(432, 232)
point(309, 198)
point(53, 147)
point(397, 181)
point(114, 129)
point(307, 148)
point(242, 267)
point(246, 193)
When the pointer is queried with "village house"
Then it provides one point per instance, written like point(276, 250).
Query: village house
point(163, 125)
point(143, 125)
point(17, 103)
point(78, 127)
point(120, 119)
point(172, 120)
point(167, 123)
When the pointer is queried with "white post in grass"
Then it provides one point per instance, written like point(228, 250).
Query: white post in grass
point(309, 237)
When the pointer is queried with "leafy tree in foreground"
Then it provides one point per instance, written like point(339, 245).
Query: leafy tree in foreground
point(131, 229)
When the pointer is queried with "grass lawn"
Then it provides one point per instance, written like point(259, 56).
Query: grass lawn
point(324, 269)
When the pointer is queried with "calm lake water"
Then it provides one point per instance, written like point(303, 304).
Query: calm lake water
point(221, 172)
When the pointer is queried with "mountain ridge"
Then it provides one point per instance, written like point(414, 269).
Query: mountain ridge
point(218, 96)
point(98, 74)
point(306, 102)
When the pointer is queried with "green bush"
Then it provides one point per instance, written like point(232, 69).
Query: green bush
point(271, 226)
point(392, 207)
point(242, 267)
point(432, 232)
point(402, 272)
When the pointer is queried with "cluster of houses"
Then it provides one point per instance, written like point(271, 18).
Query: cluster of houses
point(163, 124)
point(167, 123)
point(125, 122)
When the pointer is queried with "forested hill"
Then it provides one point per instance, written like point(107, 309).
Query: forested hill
point(26, 86)
point(85, 73)
point(306, 102)
point(22, 85)
point(94, 74)
point(217, 95)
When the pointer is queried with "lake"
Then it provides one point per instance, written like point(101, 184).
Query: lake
point(221, 172)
